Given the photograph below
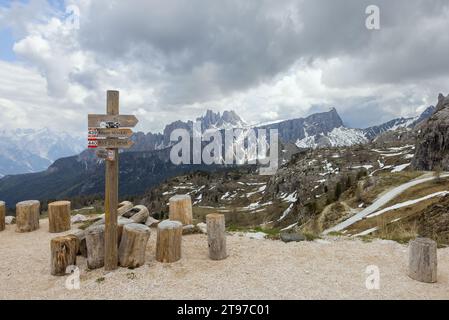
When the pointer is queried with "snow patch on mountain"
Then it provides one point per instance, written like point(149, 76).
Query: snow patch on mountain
point(341, 137)
point(338, 137)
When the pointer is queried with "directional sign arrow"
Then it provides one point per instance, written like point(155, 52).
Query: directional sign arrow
point(111, 132)
point(111, 121)
point(114, 143)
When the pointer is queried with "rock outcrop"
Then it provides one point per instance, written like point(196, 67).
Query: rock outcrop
point(432, 145)
point(434, 221)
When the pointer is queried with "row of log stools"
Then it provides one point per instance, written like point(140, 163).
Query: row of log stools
point(132, 245)
point(133, 238)
point(28, 213)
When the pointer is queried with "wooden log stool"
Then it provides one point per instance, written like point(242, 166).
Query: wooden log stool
point(59, 215)
point(121, 222)
point(422, 260)
point(63, 254)
point(95, 246)
point(131, 252)
point(124, 207)
point(168, 243)
point(2, 215)
point(140, 214)
point(216, 236)
point(27, 216)
point(81, 242)
point(181, 209)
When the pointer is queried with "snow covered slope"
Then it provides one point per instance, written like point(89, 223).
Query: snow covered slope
point(338, 137)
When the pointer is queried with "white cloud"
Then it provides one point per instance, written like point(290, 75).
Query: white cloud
point(266, 60)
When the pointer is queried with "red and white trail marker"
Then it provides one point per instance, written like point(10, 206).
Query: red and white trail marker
point(92, 133)
point(92, 144)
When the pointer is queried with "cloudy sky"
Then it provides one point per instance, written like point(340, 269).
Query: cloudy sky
point(173, 59)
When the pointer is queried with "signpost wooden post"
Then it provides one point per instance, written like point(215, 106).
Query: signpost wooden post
point(111, 195)
point(108, 132)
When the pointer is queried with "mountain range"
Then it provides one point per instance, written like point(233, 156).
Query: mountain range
point(325, 129)
point(29, 150)
point(147, 163)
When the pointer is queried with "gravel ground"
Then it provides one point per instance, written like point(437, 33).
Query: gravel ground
point(256, 269)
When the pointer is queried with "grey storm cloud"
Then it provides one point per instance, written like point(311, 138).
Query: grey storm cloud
point(204, 49)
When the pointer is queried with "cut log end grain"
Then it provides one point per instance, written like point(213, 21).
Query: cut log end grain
point(169, 224)
point(59, 216)
point(168, 243)
point(133, 244)
point(180, 209)
point(63, 254)
point(2, 215)
point(27, 216)
point(216, 236)
point(423, 260)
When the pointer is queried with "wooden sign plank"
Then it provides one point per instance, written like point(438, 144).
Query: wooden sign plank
point(111, 121)
point(114, 143)
point(110, 132)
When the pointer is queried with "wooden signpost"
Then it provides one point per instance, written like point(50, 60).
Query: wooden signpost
point(109, 132)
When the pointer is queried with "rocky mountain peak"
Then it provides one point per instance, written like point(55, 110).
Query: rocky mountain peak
point(229, 119)
point(428, 112)
point(209, 118)
point(327, 121)
point(443, 102)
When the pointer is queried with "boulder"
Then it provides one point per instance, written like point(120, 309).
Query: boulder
point(292, 237)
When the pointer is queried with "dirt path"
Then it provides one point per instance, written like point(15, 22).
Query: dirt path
point(381, 201)
point(255, 269)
